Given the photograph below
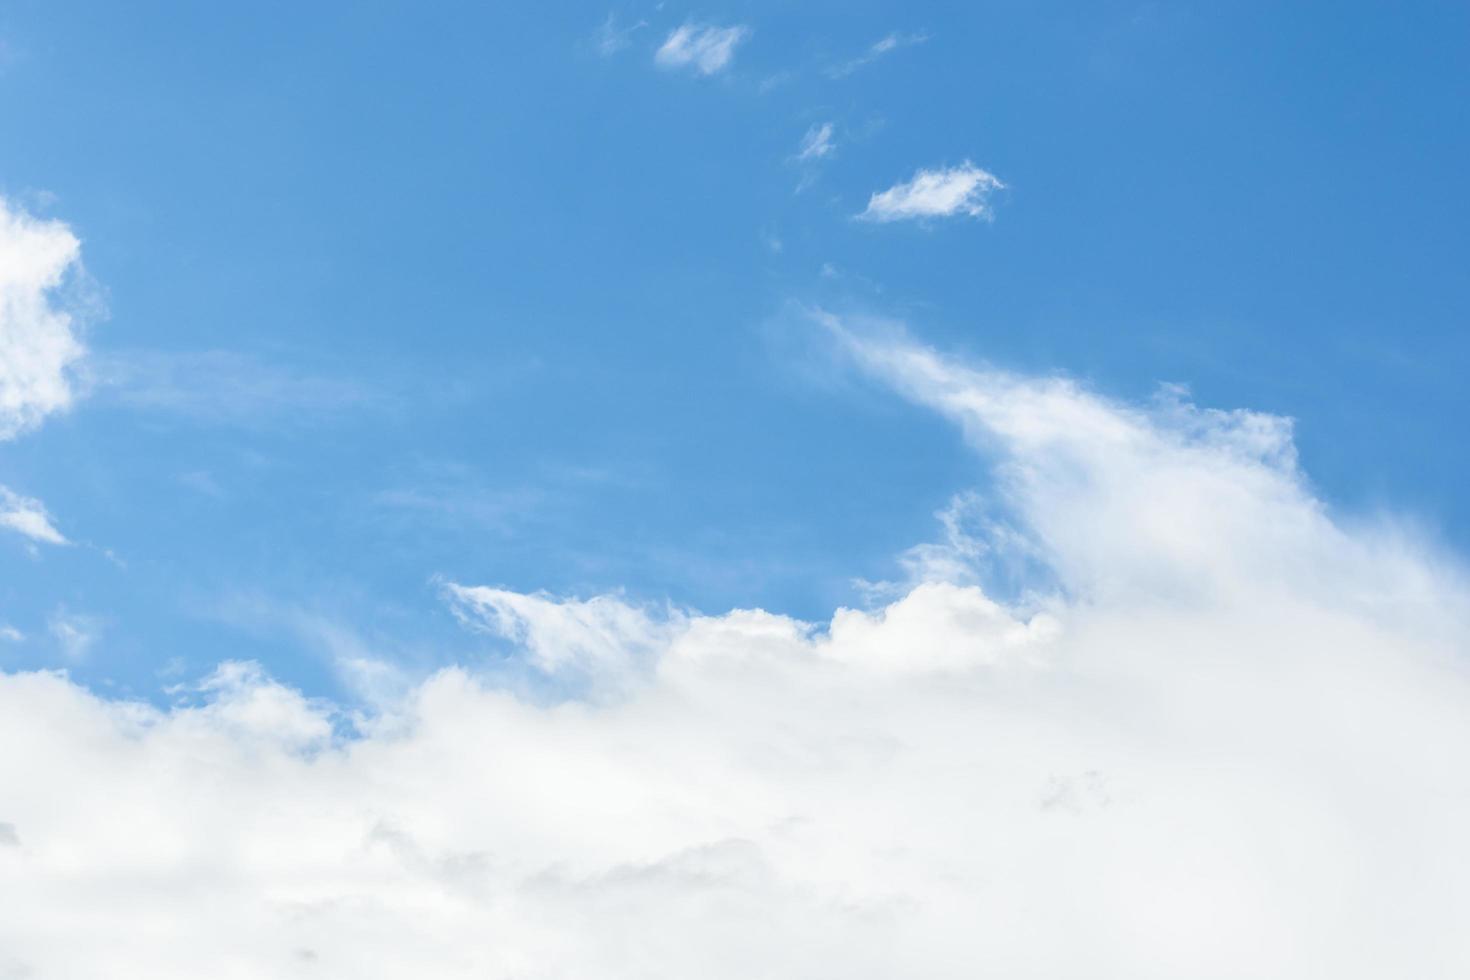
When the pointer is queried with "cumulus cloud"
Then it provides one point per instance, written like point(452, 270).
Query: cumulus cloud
point(39, 346)
point(1216, 741)
point(28, 517)
point(962, 190)
point(707, 50)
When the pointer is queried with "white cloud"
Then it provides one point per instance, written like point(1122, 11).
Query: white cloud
point(964, 190)
point(28, 517)
point(708, 50)
point(10, 634)
point(39, 346)
point(817, 143)
point(885, 45)
point(1222, 745)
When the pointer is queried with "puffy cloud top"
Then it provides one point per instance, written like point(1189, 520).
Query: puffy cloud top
point(38, 341)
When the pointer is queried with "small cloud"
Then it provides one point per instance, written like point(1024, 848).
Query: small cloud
point(817, 143)
point(611, 38)
point(40, 339)
point(10, 634)
point(28, 517)
point(938, 193)
point(74, 633)
point(877, 50)
point(708, 50)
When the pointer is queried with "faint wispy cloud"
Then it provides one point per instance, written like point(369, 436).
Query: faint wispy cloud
point(707, 50)
point(817, 143)
point(226, 387)
point(940, 193)
point(878, 49)
point(610, 38)
point(73, 632)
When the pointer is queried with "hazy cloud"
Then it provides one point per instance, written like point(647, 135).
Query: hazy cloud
point(817, 143)
point(707, 50)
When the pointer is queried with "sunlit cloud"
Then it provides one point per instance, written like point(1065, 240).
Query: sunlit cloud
point(964, 190)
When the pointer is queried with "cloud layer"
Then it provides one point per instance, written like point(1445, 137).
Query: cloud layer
point(941, 193)
point(1216, 739)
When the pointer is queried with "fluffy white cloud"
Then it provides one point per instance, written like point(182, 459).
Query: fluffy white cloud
point(708, 50)
point(1219, 744)
point(39, 346)
point(38, 338)
point(965, 190)
point(27, 516)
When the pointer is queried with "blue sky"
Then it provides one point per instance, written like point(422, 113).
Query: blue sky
point(846, 489)
point(395, 294)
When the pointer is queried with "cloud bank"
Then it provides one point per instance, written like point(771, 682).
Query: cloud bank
point(962, 190)
point(1218, 739)
point(707, 50)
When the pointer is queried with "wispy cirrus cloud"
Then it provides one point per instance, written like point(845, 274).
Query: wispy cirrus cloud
point(940, 193)
point(817, 143)
point(705, 49)
point(1211, 745)
point(227, 387)
point(612, 38)
point(886, 45)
